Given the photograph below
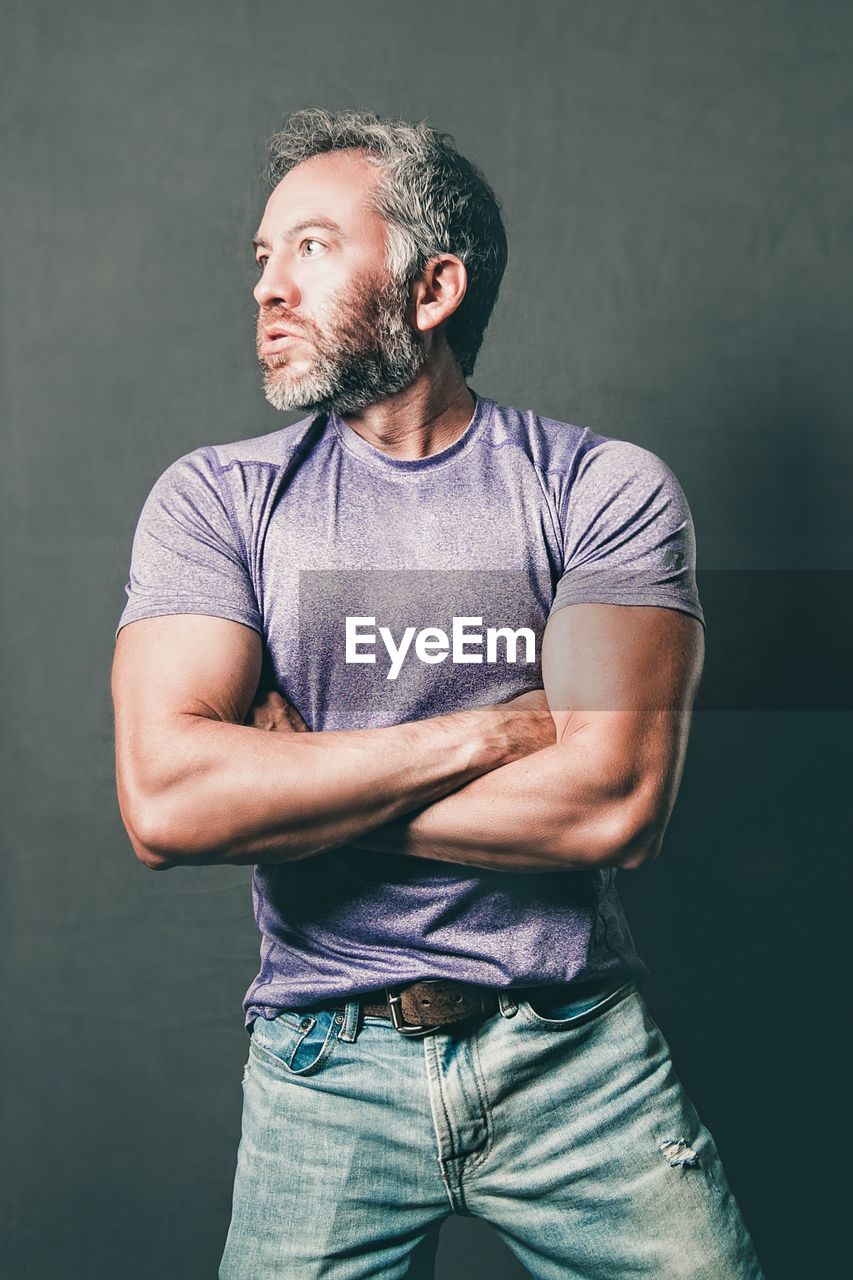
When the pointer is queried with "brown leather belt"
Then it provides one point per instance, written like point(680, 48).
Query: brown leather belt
point(417, 1008)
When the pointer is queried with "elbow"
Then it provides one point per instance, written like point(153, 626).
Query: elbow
point(625, 838)
point(140, 807)
point(633, 840)
point(150, 840)
point(622, 821)
point(153, 853)
point(152, 860)
point(161, 814)
point(164, 833)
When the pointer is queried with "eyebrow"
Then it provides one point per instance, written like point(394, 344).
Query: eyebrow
point(326, 224)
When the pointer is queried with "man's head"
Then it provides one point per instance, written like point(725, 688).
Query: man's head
point(367, 215)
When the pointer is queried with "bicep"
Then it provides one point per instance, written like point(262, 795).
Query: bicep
point(619, 658)
point(169, 668)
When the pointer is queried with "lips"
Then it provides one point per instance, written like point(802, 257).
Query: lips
point(276, 338)
point(278, 331)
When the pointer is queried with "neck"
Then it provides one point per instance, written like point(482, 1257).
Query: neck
point(424, 418)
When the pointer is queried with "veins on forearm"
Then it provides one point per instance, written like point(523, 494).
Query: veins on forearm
point(510, 820)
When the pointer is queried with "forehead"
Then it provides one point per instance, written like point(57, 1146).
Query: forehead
point(335, 187)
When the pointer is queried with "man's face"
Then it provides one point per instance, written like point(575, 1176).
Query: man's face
point(332, 326)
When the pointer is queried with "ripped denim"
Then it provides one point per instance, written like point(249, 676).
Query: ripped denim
point(565, 1128)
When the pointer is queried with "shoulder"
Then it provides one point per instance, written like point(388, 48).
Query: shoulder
point(273, 449)
point(525, 423)
point(573, 455)
point(611, 467)
point(549, 444)
point(246, 463)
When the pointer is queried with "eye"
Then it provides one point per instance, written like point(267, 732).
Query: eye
point(317, 243)
point(260, 263)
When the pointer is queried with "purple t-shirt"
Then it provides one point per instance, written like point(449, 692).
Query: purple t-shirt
point(387, 591)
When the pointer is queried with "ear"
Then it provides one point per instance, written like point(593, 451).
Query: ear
point(437, 292)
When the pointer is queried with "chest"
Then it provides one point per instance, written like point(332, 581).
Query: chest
point(383, 603)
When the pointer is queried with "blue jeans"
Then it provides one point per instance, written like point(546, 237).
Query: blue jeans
point(565, 1128)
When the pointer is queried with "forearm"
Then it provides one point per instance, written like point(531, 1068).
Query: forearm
point(603, 793)
point(550, 811)
point(227, 793)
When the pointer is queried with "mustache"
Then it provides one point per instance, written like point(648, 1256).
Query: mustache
point(268, 319)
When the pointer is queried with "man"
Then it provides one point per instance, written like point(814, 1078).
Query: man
point(427, 662)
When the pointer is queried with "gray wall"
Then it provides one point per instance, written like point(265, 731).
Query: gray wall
point(677, 187)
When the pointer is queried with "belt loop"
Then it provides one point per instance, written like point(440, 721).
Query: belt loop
point(349, 1026)
point(507, 1006)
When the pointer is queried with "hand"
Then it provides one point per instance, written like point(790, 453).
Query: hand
point(272, 712)
point(525, 725)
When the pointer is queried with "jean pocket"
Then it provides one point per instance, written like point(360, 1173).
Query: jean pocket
point(298, 1043)
point(574, 1013)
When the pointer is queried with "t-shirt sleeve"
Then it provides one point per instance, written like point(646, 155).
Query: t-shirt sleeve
point(187, 554)
point(628, 534)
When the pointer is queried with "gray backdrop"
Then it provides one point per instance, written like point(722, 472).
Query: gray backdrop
point(677, 187)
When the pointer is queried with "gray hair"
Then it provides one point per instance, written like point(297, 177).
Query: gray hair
point(434, 200)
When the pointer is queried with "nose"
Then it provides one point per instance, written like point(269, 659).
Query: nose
point(276, 284)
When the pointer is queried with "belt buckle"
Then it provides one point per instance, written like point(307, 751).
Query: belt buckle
point(398, 1022)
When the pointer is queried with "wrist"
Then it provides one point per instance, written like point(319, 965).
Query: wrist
point(498, 737)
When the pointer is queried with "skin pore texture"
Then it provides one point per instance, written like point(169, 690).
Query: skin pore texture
point(587, 769)
point(361, 348)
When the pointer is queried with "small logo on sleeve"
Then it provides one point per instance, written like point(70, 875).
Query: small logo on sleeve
point(673, 559)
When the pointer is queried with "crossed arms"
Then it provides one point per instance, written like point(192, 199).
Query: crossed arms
point(580, 774)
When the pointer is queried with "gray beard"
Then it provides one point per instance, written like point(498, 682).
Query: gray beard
point(364, 357)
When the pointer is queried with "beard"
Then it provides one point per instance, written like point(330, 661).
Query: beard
point(364, 350)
